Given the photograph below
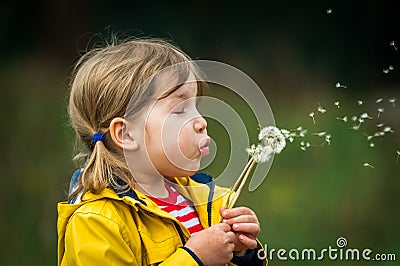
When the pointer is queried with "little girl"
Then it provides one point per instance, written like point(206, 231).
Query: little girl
point(139, 200)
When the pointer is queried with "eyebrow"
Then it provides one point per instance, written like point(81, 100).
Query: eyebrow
point(169, 92)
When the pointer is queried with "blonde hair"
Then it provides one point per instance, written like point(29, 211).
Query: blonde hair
point(105, 80)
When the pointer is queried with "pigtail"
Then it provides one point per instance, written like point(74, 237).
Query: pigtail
point(102, 169)
point(97, 170)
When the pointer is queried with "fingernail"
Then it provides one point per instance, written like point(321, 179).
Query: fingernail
point(224, 220)
point(225, 213)
point(235, 226)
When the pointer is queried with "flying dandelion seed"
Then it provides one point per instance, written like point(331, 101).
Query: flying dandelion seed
point(355, 127)
point(344, 118)
point(391, 67)
point(380, 110)
point(392, 101)
point(394, 45)
point(387, 129)
point(304, 145)
point(379, 100)
point(379, 134)
point(370, 137)
point(321, 109)
point(380, 125)
point(328, 139)
point(337, 104)
point(338, 85)
point(354, 118)
point(302, 133)
point(368, 165)
point(365, 116)
point(312, 116)
point(372, 145)
point(319, 134)
point(398, 154)
point(385, 70)
point(329, 11)
point(360, 121)
point(359, 102)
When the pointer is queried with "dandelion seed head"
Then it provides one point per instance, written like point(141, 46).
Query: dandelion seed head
point(311, 114)
point(359, 102)
point(381, 109)
point(379, 100)
point(272, 137)
point(260, 153)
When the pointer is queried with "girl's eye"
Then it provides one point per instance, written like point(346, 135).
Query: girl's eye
point(178, 111)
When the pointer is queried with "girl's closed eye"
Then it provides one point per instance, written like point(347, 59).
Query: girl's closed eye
point(180, 109)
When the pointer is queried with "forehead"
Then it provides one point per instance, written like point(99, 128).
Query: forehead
point(170, 86)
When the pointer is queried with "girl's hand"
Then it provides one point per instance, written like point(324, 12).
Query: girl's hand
point(245, 224)
point(213, 245)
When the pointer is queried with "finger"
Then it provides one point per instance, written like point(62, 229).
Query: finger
point(230, 213)
point(241, 219)
point(250, 243)
point(231, 236)
point(249, 228)
point(221, 210)
point(224, 227)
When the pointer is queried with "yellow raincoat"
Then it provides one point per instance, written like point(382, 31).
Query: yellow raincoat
point(130, 229)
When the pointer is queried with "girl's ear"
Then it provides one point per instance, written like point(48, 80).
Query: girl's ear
point(122, 137)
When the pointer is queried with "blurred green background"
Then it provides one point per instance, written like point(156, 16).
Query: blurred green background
point(296, 51)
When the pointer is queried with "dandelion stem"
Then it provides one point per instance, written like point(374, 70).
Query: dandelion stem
point(242, 174)
point(239, 190)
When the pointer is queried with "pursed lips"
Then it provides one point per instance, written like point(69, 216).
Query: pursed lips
point(204, 146)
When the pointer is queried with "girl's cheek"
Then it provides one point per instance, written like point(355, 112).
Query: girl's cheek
point(184, 143)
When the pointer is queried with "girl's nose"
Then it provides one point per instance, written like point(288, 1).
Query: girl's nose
point(200, 124)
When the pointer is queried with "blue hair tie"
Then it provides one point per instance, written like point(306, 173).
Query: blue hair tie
point(98, 136)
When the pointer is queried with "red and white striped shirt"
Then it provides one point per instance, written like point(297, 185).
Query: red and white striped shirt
point(180, 208)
